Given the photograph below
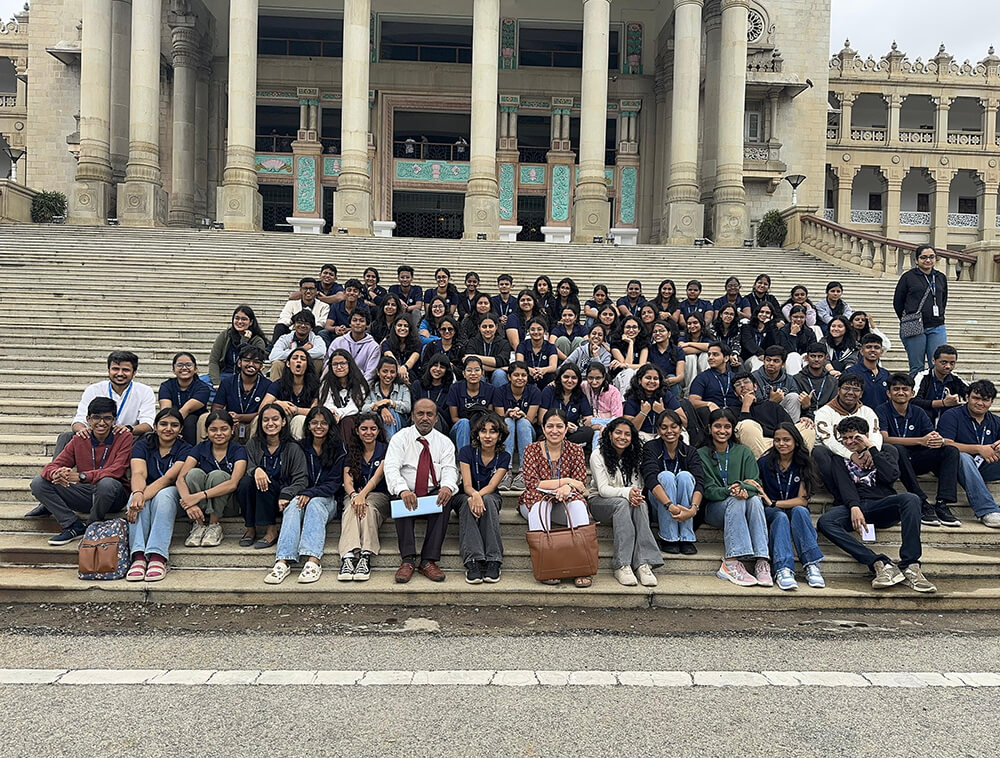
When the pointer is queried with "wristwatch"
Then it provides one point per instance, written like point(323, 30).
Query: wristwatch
point(83, 477)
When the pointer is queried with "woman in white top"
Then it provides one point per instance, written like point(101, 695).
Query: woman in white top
point(343, 390)
point(615, 465)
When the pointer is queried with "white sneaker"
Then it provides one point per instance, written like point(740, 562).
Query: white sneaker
point(814, 576)
point(213, 536)
point(625, 577)
point(646, 576)
point(992, 520)
point(194, 539)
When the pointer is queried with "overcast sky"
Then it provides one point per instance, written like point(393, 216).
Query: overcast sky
point(966, 27)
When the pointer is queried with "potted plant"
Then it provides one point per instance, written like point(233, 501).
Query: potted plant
point(46, 205)
point(772, 230)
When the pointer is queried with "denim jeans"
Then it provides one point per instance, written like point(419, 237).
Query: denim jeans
point(743, 525)
point(460, 433)
point(499, 377)
point(902, 509)
point(633, 538)
point(973, 480)
point(602, 422)
point(788, 528)
point(920, 349)
point(395, 426)
point(154, 526)
point(679, 488)
point(520, 435)
point(303, 532)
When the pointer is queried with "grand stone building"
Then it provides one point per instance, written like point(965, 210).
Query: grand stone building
point(662, 121)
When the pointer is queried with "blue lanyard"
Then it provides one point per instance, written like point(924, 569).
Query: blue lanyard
point(315, 467)
point(535, 358)
point(665, 456)
point(477, 459)
point(724, 470)
point(894, 417)
point(271, 460)
point(944, 387)
point(229, 466)
point(979, 430)
point(504, 307)
point(785, 487)
point(932, 283)
point(819, 394)
point(121, 405)
point(93, 449)
point(729, 384)
point(245, 401)
point(169, 461)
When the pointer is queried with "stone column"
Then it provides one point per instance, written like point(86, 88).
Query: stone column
point(216, 145)
point(893, 202)
point(121, 46)
point(201, 128)
point(92, 189)
point(185, 54)
point(684, 217)
point(845, 187)
point(710, 120)
point(846, 107)
point(482, 203)
point(141, 199)
point(987, 202)
point(307, 162)
point(940, 204)
point(895, 103)
point(591, 211)
point(241, 203)
point(731, 223)
point(943, 105)
point(353, 199)
point(990, 106)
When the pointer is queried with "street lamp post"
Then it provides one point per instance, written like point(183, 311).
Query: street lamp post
point(15, 154)
point(795, 180)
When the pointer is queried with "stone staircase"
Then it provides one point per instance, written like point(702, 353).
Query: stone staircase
point(70, 295)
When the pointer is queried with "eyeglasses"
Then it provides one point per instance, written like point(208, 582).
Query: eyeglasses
point(101, 420)
point(339, 364)
point(445, 329)
point(851, 390)
point(183, 365)
point(926, 257)
point(319, 422)
point(252, 361)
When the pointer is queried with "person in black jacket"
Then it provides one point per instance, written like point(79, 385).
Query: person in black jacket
point(865, 495)
point(816, 384)
point(940, 388)
point(757, 335)
point(758, 419)
point(923, 289)
point(674, 482)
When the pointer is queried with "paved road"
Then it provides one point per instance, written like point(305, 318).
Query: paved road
point(486, 720)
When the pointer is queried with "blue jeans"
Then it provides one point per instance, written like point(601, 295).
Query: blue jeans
point(520, 434)
point(395, 426)
point(973, 480)
point(679, 488)
point(154, 526)
point(460, 432)
point(304, 532)
point(595, 421)
point(788, 527)
point(499, 378)
point(921, 348)
point(743, 525)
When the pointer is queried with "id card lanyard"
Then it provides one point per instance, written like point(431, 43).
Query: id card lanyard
point(121, 405)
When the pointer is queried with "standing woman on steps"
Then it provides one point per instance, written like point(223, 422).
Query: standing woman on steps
point(276, 473)
point(304, 520)
point(157, 460)
point(923, 290)
point(243, 330)
point(187, 393)
point(208, 480)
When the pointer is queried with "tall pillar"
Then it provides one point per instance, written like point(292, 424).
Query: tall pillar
point(684, 217)
point(121, 46)
point(990, 106)
point(712, 17)
point(216, 145)
point(943, 105)
point(845, 187)
point(307, 163)
point(353, 199)
point(940, 204)
point(591, 211)
point(201, 128)
point(241, 203)
point(987, 203)
point(92, 188)
point(185, 55)
point(893, 202)
point(482, 198)
point(846, 109)
point(731, 222)
point(895, 103)
point(141, 199)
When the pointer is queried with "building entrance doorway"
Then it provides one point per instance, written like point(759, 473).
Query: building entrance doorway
point(428, 214)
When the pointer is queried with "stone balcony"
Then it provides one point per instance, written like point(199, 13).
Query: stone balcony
point(762, 162)
point(910, 218)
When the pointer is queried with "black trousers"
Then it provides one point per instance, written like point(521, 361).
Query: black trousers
point(943, 461)
point(902, 509)
point(437, 528)
point(258, 508)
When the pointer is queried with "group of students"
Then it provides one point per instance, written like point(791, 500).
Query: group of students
point(739, 405)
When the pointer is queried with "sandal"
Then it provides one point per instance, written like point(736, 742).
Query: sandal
point(278, 573)
point(137, 571)
point(551, 581)
point(310, 573)
point(583, 581)
point(156, 571)
point(248, 538)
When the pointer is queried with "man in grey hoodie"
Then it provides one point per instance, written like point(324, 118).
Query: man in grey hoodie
point(774, 383)
point(359, 343)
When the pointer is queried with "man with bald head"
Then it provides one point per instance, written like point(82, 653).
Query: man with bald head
point(420, 461)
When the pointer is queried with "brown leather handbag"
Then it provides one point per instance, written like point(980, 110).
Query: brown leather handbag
point(563, 553)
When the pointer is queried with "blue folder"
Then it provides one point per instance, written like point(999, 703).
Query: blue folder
point(426, 506)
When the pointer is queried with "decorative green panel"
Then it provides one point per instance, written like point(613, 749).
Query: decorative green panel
point(331, 166)
point(273, 164)
point(532, 174)
point(432, 171)
point(506, 191)
point(630, 176)
point(508, 43)
point(305, 184)
point(633, 49)
point(560, 192)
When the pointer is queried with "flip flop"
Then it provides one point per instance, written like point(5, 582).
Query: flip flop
point(551, 581)
point(583, 582)
point(278, 574)
point(156, 571)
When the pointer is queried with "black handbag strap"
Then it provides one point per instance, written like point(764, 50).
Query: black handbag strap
point(923, 300)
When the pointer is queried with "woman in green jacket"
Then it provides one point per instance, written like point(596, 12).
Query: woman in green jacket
point(732, 503)
point(244, 330)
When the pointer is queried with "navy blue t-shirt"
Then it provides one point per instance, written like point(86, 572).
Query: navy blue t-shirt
point(368, 468)
point(507, 309)
point(323, 482)
point(235, 399)
point(503, 397)
point(632, 309)
point(458, 397)
point(482, 473)
point(438, 394)
point(779, 485)
point(415, 295)
point(633, 404)
point(577, 331)
point(157, 465)
point(451, 299)
point(915, 423)
point(335, 289)
point(721, 302)
point(667, 360)
point(577, 408)
point(957, 424)
point(713, 387)
point(202, 452)
point(876, 388)
point(699, 306)
point(526, 352)
point(340, 317)
point(197, 390)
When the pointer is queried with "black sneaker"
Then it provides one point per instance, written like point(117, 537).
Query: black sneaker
point(69, 534)
point(688, 548)
point(473, 573)
point(928, 515)
point(671, 547)
point(945, 515)
point(492, 572)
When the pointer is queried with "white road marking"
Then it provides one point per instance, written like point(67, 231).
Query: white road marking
point(487, 677)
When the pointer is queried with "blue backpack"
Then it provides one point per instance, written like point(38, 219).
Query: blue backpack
point(104, 552)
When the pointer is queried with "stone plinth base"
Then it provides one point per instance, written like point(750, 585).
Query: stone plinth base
point(352, 210)
point(591, 218)
point(509, 233)
point(383, 228)
point(482, 216)
point(89, 204)
point(240, 208)
point(560, 234)
point(625, 236)
point(142, 204)
point(685, 223)
point(731, 224)
point(306, 225)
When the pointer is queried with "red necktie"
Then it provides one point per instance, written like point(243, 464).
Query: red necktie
point(425, 469)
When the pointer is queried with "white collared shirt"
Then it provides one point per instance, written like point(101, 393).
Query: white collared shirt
point(404, 452)
point(139, 407)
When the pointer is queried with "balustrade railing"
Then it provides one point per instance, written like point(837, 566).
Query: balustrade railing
point(873, 253)
point(964, 220)
point(868, 134)
point(916, 136)
point(832, 132)
point(866, 217)
point(8, 101)
point(914, 218)
point(965, 138)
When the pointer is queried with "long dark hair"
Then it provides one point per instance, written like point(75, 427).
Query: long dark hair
point(332, 447)
point(403, 350)
point(451, 290)
point(631, 458)
point(718, 327)
point(536, 310)
point(577, 393)
point(672, 304)
point(426, 380)
point(150, 438)
point(283, 436)
point(800, 457)
point(380, 329)
point(356, 448)
point(791, 295)
point(635, 388)
point(235, 336)
point(310, 382)
point(433, 323)
point(357, 386)
point(847, 342)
